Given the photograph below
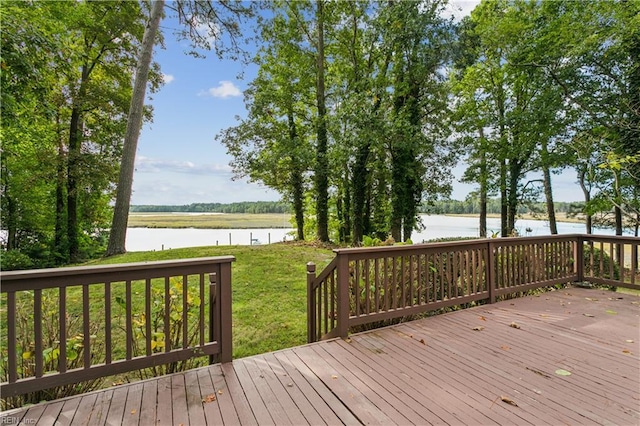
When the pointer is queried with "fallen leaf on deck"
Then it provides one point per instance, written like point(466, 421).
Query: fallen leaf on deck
point(423, 342)
point(482, 318)
point(334, 377)
point(626, 351)
point(133, 411)
point(544, 315)
point(348, 340)
point(629, 341)
point(508, 401)
point(220, 392)
point(561, 372)
point(610, 312)
point(209, 398)
point(290, 385)
point(505, 347)
point(514, 325)
point(478, 328)
point(591, 299)
point(588, 315)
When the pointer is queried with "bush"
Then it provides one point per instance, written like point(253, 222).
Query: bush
point(599, 256)
point(25, 347)
point(14, 260)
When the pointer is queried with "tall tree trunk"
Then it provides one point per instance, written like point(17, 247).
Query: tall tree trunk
point(397, 196)
point(483, 185)
point(504, 202)
point(12, 228)
point(548, 193)
point(72, 183)
point(587, 199)
point(58, 244)
point(548, 190)
point(298, 202)
point(514, 173)
point(118, 235)
point(346, 206)
point(360, 174)
point(322, 162)
point(379, 211)
point(296, 176)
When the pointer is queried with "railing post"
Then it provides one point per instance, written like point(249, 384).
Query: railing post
point(225, 325)
point(311, 303)
point(490, 271)
point(578, 254)
point(343, 295)
point(214, 334)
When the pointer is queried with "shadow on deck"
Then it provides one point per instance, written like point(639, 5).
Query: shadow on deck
point(492, 364)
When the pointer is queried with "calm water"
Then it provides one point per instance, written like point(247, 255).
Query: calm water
point(142, 239)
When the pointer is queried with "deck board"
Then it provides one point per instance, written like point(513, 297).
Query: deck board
point(149, 401)
point(51, 413)
point(164, 413)
point(83, 413)
point(438, 370)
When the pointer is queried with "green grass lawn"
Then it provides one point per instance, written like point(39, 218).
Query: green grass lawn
point(269, 290)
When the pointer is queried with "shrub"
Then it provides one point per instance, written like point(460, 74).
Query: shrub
point(599, 257)
point(14, 260)
point(25, 348)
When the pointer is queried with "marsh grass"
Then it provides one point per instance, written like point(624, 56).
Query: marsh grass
point(210, 221)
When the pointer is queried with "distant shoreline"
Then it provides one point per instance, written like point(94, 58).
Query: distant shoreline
point(560, 217)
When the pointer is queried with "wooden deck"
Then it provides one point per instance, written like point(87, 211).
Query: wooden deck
point(464, 367)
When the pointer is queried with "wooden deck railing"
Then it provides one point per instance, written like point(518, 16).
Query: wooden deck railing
point(367, 285)
point(68, 325)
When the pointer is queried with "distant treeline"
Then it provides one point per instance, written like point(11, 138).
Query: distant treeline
point(243, 207)
point(439, 207)
point(472, 206)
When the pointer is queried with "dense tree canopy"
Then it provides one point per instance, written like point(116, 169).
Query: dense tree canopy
point(357, 113)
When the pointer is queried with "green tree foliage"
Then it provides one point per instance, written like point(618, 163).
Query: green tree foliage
point(66, 72)
point(370, 102)
point(551, 85)
point(273, 143)
point(203, 21)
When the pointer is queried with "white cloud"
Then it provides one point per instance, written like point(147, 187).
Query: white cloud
point(154, 165)
point(167, 78)
point(175, 188)
point(225, 89)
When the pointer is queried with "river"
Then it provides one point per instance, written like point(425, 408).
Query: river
point(436, 226)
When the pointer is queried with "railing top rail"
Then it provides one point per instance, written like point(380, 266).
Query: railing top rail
point(613, 238)
point(79, 273)
point(462, 243)
point(326, 271)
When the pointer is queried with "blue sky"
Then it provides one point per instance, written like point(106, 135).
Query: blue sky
point(178, 160)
